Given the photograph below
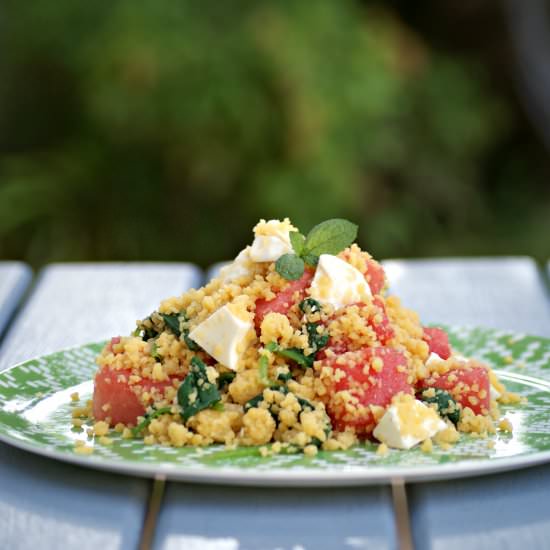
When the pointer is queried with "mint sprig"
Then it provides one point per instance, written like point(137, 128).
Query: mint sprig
point(328, 237)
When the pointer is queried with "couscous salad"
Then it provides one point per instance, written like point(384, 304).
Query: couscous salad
point(294, 347)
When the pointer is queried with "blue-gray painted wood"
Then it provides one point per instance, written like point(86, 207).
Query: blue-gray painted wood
point(47, 504)
point(270, 519)
point(222, 518)
point(15, 277)
point(491, 512)
point(77, 303)
point(505, 293)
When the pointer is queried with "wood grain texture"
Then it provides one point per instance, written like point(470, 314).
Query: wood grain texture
point(77, 303)
point(490, 512)
point(48, 504)
point(15, 278)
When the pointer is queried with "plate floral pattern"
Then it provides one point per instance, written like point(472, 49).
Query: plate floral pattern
point(35, 414)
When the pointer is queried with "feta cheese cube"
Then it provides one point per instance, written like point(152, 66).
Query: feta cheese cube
point(240, 267)
point(271, 241)
point(223, 336)
point(433, 358)
point(269, 248)
point(338, 283)
point(408, 422)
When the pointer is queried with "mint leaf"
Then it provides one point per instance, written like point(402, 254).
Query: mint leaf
point(310, 259)
point(290, 267)
point(297, 241)
point(330, 237)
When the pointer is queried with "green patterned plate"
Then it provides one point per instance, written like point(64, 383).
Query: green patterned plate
point(35, 415)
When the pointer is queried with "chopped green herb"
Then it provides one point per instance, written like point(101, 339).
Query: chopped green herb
point(225, 378)
point(445, 404)
point(284, 376)
point(147, 419)
point(317, 340)
point(191, 344)
point(309, 306)
point(172, 322)
point(328, 237)
point(218, 406)
point(155, 351)
point(294, 354)
point(290, 267)
point(297, 241)
point(263, 365)
point(196, 392)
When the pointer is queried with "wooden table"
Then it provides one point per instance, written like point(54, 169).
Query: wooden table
point(47, 504)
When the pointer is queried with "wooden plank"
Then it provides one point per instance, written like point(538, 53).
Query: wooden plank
point(497, 511)
point(504, 293)
point(195, 516)
point(15, 277)
point(78, 303)
point(203, 517)
point(47, 504)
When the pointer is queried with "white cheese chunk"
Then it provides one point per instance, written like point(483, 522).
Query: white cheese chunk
point(338, 283)
point(433, 358)
point(269, 248)
point(407, 423)
point(271, 241)
point(239, 267)
point(223, 336)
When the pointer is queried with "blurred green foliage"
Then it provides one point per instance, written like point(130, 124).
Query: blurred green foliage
point(163, 130)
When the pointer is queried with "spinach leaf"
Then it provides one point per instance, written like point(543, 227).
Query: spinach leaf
point(172, 322)
point(147, 419)
point(445, 404)
point(196, 393)
point(225, 378)
point(317, 340)
point(309, 305)
point(294, 354)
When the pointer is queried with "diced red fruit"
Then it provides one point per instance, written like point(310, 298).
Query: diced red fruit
point(375, 276)
point(437, 341)
point(284, 299)
point(374, 273)
point(381, 327)
point(111, 388)
point(369, 385)
point(114, 340)
point(469, 386)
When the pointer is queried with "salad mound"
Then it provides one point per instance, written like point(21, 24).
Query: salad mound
point(295, 346)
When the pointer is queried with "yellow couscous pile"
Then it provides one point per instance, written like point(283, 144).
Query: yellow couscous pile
point(293, 347)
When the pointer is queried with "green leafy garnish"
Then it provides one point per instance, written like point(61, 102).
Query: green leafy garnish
point(172, 322)
point(225, 378)
point(328, 237)
point(309, 306)
point(147, 419)
point(155, 351)
point(191, 344)
point(263, 365)
point(294, 354)
point(445, 404)
point(317, 340)
point(297, 241)
point(196, 392)
point(284, 376)
point(290, 267)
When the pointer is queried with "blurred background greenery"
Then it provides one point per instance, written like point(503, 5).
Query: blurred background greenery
point(155, 130)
